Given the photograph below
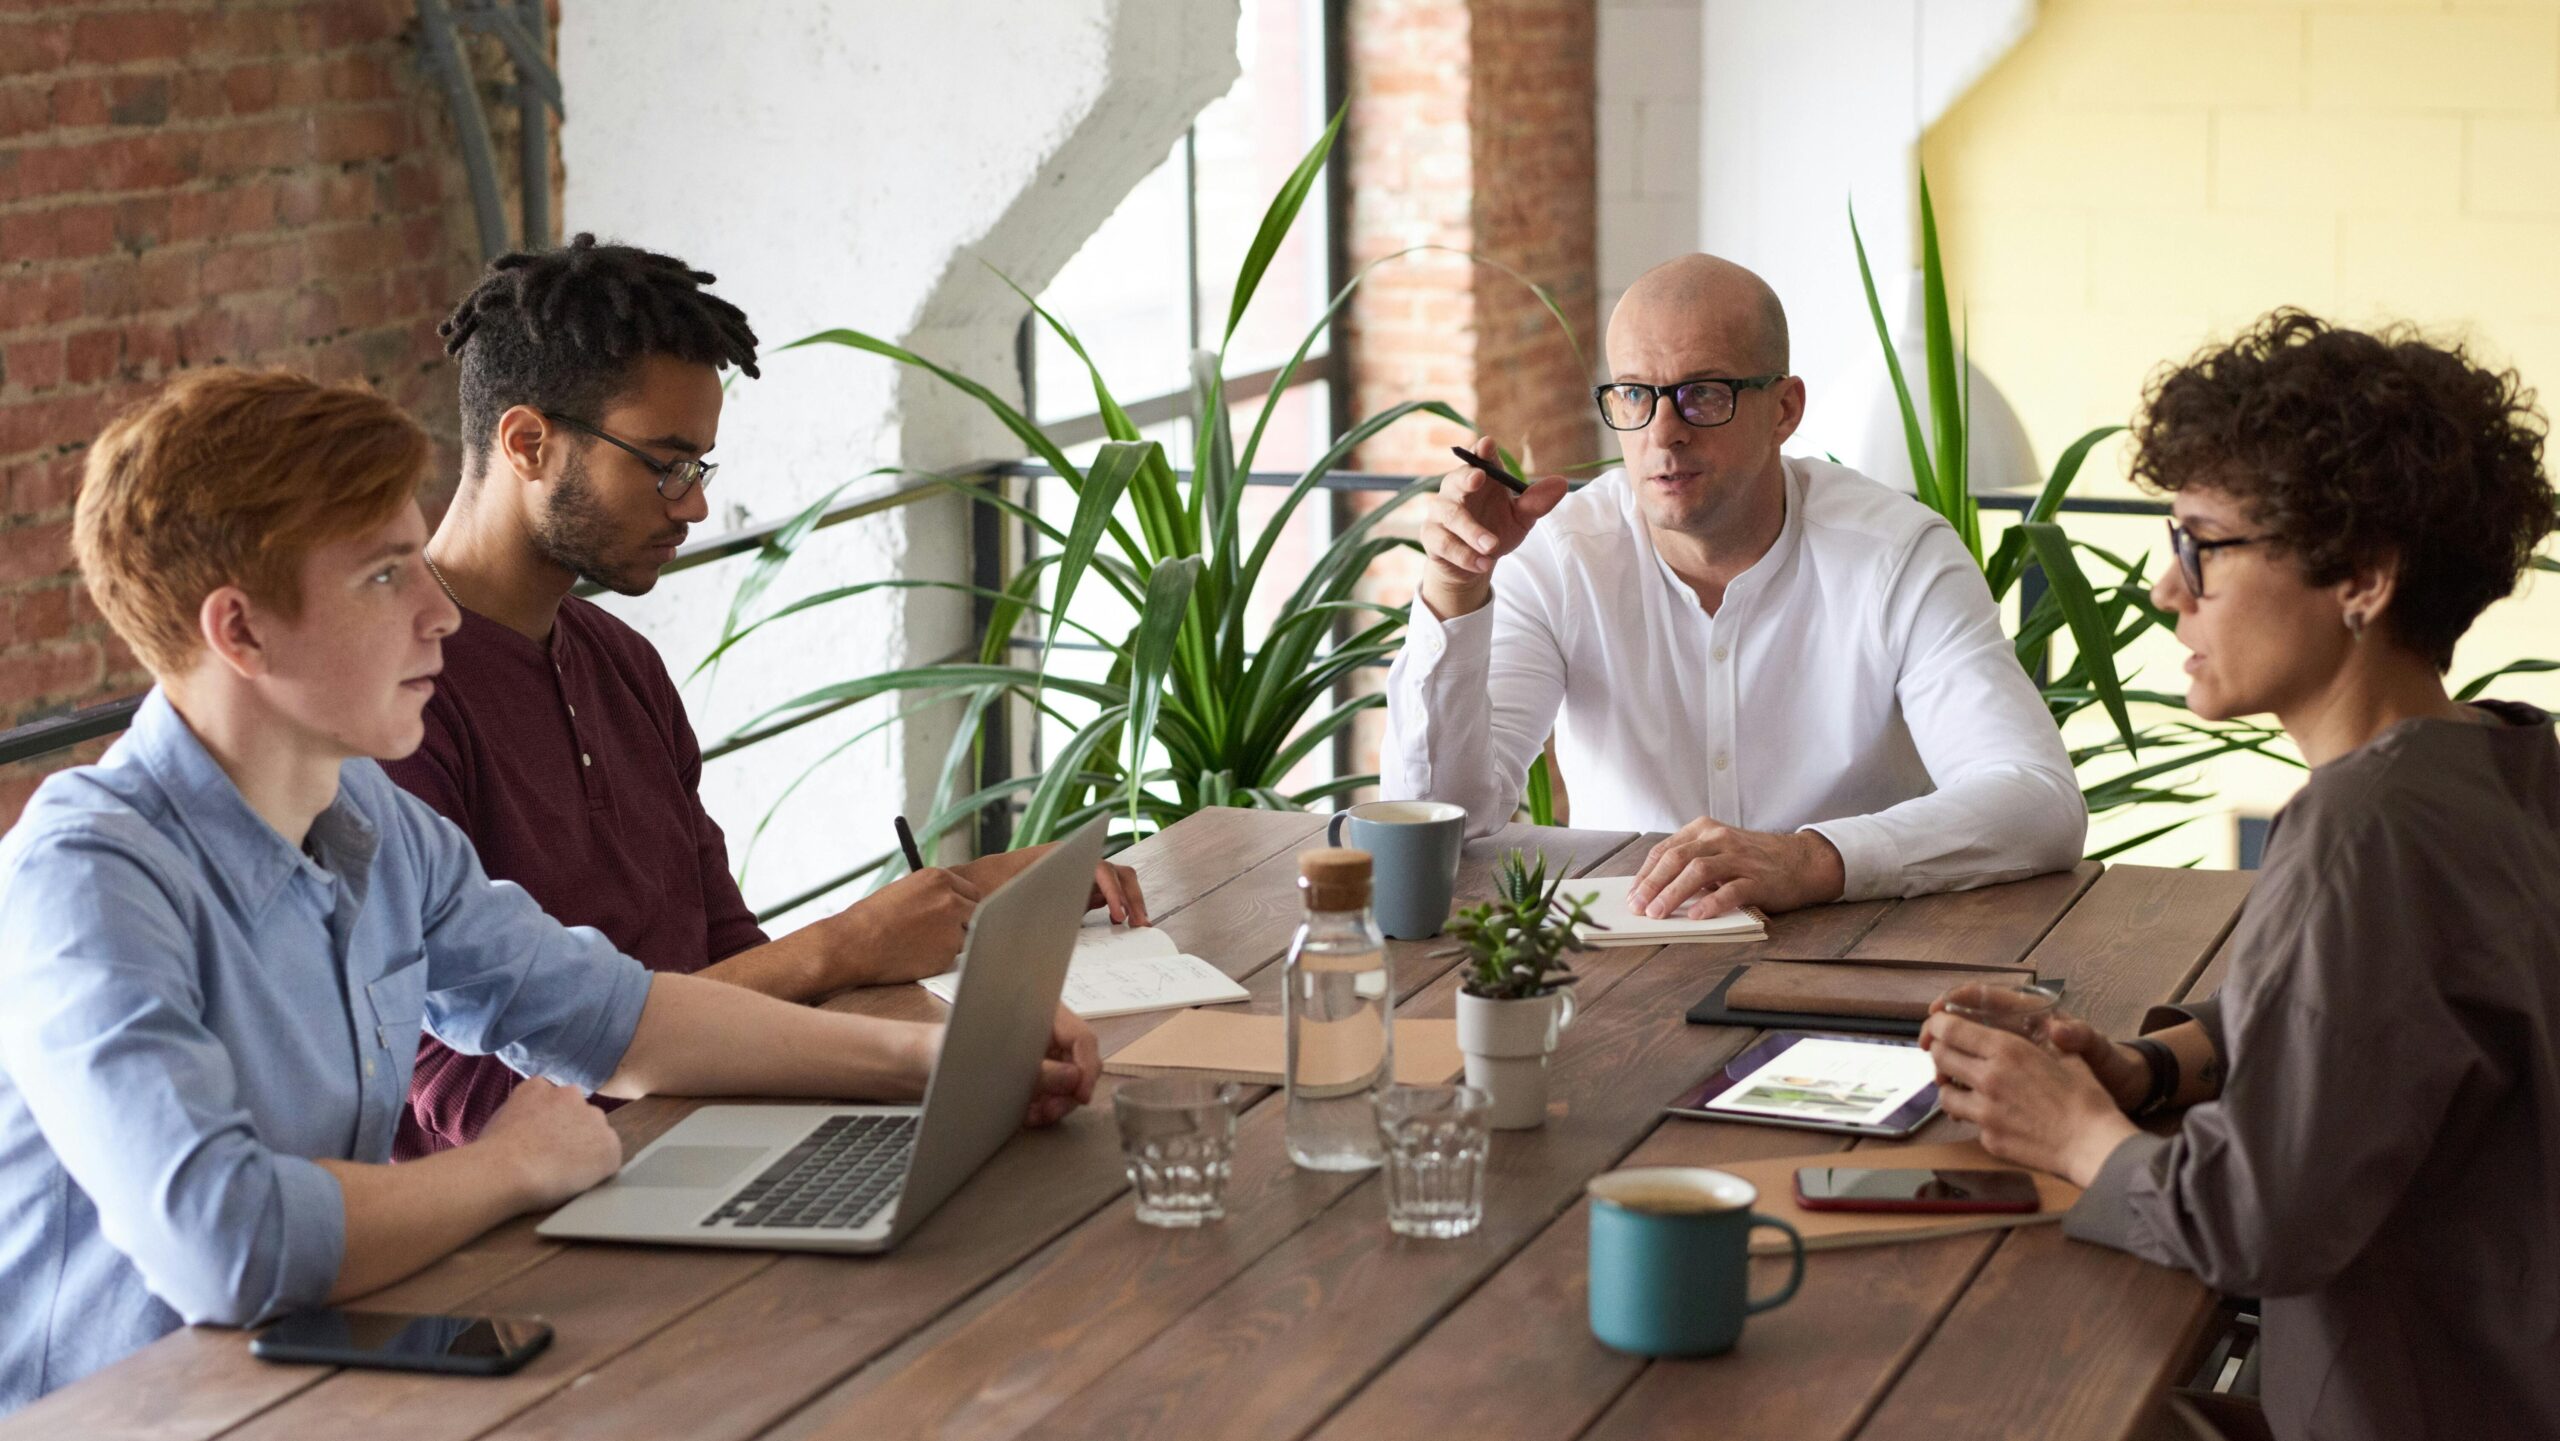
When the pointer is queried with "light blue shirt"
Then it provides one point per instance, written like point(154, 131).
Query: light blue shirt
point(191, 1009)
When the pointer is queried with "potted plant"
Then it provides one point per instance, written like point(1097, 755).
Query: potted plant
point(1196, 708)
point(1514, 1001)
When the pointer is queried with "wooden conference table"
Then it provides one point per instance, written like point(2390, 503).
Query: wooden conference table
point(1035, 1305)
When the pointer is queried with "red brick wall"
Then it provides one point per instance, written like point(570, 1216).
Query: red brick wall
point(189, 183)
point(1472, 126)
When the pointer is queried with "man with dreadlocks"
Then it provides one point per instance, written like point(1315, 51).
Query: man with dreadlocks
point(555, 739)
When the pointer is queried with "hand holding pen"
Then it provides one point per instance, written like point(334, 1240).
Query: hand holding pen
point(1481, 514)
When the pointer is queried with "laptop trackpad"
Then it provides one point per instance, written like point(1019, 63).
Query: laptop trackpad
point(690, 1166)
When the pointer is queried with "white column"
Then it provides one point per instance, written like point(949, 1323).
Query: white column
point(860, 165)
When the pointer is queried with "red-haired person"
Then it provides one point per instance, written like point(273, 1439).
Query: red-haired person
point(2374, 1095)
point(219, 944)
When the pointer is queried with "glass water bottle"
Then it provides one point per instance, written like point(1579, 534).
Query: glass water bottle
point(1340, 1007)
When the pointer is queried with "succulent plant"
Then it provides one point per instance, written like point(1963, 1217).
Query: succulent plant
point(1516, 945)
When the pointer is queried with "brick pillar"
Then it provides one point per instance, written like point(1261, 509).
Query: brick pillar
point(192, 183)
point(1472, 126)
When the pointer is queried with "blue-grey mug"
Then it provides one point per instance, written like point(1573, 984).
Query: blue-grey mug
point(1413, 848)
point(1670, 1254)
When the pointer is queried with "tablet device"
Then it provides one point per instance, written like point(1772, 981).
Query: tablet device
point(1856, 1085)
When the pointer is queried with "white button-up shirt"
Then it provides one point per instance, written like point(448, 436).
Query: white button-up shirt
point(1854, 682)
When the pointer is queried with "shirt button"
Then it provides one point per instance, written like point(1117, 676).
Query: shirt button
point(1721, 653)
point(585, 759)
point(368, 1065)
point(1721, 759)
point(573, 710)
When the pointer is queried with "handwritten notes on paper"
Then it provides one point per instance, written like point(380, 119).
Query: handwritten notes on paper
point(1122, 970)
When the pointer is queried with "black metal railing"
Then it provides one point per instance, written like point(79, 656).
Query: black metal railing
point(39, 739)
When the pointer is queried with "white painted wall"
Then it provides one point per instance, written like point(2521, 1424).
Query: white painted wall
point(859, 163)
point(1798, 108)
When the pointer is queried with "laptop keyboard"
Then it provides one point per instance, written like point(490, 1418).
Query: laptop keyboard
point(837, 1178)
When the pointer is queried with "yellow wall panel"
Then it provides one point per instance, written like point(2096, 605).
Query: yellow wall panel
point(2445, 61)
point(2450, 269)
point(2512, 165)
point(2142, 177)
point(2086, 159)
point(2293, 162)
point(2132, 58)
point(2224, 265)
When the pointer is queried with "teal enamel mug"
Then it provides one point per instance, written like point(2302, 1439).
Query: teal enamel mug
point(1670, 1260)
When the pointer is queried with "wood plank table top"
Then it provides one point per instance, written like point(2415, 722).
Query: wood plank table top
point(1034, 1304)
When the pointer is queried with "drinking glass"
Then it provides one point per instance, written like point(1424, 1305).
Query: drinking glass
point(2022, 1009)
point(1436, 1138)
point(1178, 1136)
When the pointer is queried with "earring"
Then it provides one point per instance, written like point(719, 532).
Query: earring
point(2355, 624)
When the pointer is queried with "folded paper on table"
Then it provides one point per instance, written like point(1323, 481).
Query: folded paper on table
point(1608, 906)
point(1839, 1230)
point(1251, 1050)
point(1123, 970)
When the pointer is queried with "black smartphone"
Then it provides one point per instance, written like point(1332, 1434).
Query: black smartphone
point(1853, 1188)
point(384, 1340)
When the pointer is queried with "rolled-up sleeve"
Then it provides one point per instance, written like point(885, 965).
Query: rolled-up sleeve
point(1469, 703)
point(104, 1036)
point(2006, 804)
point(505, 979)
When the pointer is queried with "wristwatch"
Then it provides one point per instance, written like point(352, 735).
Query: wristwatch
point(2164, 1076)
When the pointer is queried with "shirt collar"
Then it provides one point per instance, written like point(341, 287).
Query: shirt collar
point(1754, 578)
point(240, 850)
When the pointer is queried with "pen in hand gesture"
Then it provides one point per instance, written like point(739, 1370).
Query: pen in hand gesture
point(1472, 523)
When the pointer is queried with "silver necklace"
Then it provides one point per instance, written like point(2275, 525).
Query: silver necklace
point(440, 580)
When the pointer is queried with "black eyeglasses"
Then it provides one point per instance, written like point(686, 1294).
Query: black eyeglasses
point(1629, 405)
point(2191, 552)
point(676, 478)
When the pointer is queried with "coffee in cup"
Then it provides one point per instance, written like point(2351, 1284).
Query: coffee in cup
point(1670, 1253)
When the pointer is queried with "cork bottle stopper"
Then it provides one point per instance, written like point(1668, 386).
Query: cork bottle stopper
point(1334, 879)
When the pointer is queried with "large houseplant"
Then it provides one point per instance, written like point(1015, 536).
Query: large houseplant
point(2154, 763)
point(2149, 764)
point(1192, 710)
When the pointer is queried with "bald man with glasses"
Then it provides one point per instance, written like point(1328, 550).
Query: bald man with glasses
point(1796, 671)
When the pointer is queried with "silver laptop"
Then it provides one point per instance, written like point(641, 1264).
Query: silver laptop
point(862, 1178)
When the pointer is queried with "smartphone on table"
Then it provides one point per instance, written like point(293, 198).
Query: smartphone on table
point(1859, 1188)
point(392, 1341)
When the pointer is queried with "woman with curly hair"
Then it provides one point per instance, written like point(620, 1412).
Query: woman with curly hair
point(2372, 1139)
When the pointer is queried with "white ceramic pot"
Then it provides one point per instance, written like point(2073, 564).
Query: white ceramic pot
point(1506, 1045)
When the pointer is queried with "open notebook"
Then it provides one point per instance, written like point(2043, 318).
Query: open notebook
point(1122, 970)
point(1626, 928)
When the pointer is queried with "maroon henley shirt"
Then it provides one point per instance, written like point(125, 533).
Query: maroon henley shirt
point(572, 769)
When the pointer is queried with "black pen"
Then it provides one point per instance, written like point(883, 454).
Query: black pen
point(907, 843)
point(1492, 468)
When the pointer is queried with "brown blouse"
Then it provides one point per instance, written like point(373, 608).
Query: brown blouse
point(2382, 1166)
